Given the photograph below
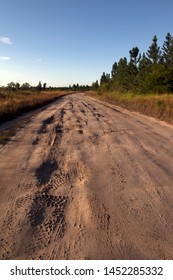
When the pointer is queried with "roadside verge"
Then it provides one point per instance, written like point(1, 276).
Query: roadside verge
point(157, 106)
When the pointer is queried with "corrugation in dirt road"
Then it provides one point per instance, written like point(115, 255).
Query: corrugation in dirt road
point(87, 180)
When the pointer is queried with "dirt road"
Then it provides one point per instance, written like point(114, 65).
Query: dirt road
point(87, 180)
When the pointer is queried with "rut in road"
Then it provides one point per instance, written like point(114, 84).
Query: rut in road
point(87, 180)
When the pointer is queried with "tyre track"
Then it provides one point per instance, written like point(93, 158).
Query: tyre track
point(87, 180)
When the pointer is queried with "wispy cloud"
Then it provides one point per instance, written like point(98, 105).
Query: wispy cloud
point(5, 58)
point(5, 40)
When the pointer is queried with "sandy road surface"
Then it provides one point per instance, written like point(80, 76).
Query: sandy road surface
point(84, 180)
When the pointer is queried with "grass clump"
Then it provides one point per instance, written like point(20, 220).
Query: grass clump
point(155, 105)
point(15, 103)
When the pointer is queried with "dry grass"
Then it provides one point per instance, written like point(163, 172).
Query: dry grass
point(13, 104)
point(158, 106)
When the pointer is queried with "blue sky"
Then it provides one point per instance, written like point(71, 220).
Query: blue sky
point(62, 42)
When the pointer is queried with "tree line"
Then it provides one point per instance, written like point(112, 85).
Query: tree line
point(25, 86)
point(148, 72)
point(16, 87)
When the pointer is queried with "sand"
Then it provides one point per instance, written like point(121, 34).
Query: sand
point(87, 180)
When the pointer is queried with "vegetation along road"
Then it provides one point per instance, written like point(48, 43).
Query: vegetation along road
point(87, 180)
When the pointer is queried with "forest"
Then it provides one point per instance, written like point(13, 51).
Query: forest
point(150, 72)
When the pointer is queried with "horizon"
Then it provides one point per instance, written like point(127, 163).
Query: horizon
point(65, 43)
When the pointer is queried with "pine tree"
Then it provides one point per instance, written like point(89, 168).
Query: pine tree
point(134, 55)
point(153, 52)
point(131, 75)
point(144, 70)
point(105, 82)
point(122, 73)
point(104, 78)
point(95, 85)
point(114, 70)
point(144, 66)
point(167, 50)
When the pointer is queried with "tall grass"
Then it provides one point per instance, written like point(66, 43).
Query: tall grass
point(15, 103)
point(158, 106)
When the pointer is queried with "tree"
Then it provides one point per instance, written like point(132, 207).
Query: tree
point(95, 85)
point(44, 86)
point(122, 72)
point(167, 50)
point(151, 72)
point(39, 87)
point(131, 75)
point(153, 52)
point(114, 70)
point(144, 66)
point(105, 82)
point(11, 86)
point(25, 86)
point(17, 86)
point(134, 55)
point(103, 79)
point(157, 81)
point(144, 69)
